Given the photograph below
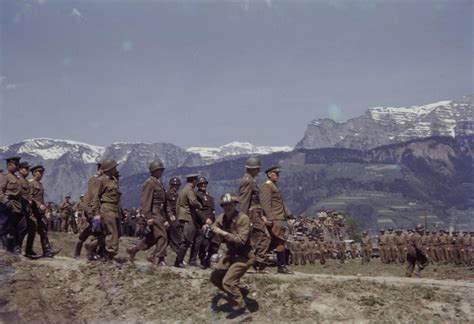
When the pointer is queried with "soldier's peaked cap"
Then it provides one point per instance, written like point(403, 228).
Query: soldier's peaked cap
point(37, 168)
point(192, 176)
point(24, 165)
point(13, 159)
point(273, 168)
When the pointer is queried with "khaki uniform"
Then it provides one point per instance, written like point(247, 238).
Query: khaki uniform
point(384, 248)
point(239, 257)
point(415, 254)
point(341, 251)
point(296, 250)
point(456, 244)
point(106, 203)
point(366, 246)
point(400, 243)
point(323, 250)
point(204, 247)
point(392, 248)
point(444, 248)
point(86, 232)
point(174, 231)
point(249, 198)
point(37, 198)
point(155, 207)
point(466, 249)
point(68, 216)
point(436, 247)
point(12, 221)
point(275, 212)
point(30, 221)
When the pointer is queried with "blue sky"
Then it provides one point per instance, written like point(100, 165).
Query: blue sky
point(198, 73)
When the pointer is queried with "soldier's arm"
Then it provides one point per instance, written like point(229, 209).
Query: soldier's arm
point(146, 199)
point(245, 195)
point(266, 201)
point(243, 231)
point(3, 188)
point(95, 203)
point(192, 200)
point(34, 195)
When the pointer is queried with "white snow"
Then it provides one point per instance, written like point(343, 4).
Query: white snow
point(236, 148)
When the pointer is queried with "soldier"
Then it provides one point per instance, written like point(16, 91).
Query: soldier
point(172, 197)
point(297, 252)
point(444, 246)
point(234, 229)
point(323, 250)
point(383, 246)
point(415, 252)
point(276, 214)
point(39, 208)
point(391, 247)
point(158, 214)
point(250, 205)
point(205, 244)
point(341, 250)
point(400, 243)
point(312, 250)
point(106, 208)
point(366, 246)
point(87, 231)
point(436, 247)
point(12, 221)
point(456, 248)
point(186, 208)
point(67, 215)
point(23, 172)
point(353, 250)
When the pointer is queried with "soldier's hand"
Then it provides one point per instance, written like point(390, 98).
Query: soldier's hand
point(172, 218)
point(167, 225)
point(149, 222)
point(43, 207)
point(218, 231)
point(209, 221)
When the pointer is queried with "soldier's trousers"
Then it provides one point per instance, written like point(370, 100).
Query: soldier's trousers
point(365, 255)
point(457, 255)
point(187, 234)
point(383, 253)
point(434, 254)
point(111, 231)
point(322, 257)
point(13, 226)
point(413, 259)
point(158, 237)
point(466, 255)
point(260, 242)
point(401, 254)
point(174, 237)
point(443, 254)
point(227, 276)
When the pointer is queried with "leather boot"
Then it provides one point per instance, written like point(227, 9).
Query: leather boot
point(77, 252)
point(281, 260)
point(179, 263)
point(48, 252)
point(133, 250)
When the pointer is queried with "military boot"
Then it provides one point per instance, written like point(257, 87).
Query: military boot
point(133, 250)
point(48, 251)
point(179, 263)
point(282, 268)
point(77, 252)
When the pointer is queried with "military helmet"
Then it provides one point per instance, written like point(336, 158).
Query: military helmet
point(108, 164)
point(228, 198)
point(364, 233)
point(419, 228)
point(202, 180)
point(253, 163)
point(175, 181)
point(156, 165)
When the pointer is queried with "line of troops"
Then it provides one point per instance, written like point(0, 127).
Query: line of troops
point(309, 249)
point(456, 248)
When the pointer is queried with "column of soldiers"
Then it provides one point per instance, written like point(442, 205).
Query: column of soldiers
point(22, 209)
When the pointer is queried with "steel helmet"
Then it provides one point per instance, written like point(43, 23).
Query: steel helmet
point(202, 180)
point(253, 163)
point(155, 165)
point(175, 181)
point(108, 164)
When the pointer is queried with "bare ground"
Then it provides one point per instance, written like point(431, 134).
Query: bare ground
point(77, 291)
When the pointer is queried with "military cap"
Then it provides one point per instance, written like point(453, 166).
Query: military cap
point(274, 168)
point(68, 196)
point(156, 165)
point(202, 180)
point(390, 229)
point(192, 176)
point(228, 198)
point(382, 231)
point(419, 228)
point(175, 181)
point(253, 163)
point(24, 165)
point(15, 159)
point(364, 233)
point(108, 164)
point(37, 168)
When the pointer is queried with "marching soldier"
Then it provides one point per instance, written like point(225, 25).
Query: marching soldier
point(250, 205)
point(106, 208)
point(444, 247)
point(276, 214)
point(12, 221)
point(39, 208)
point(234, 229)
point(23, 172)
point(87, 231)
point(416, 254)
point(436, 247)
point(366, 246)
point(186, 207)
point(391, 247)
point(205, 244)
point(323, 250)
point(172, 197)
point(158, 214)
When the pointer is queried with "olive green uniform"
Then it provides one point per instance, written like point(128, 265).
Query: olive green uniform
point(366, 246)
point(415, 254)
point(11, 209)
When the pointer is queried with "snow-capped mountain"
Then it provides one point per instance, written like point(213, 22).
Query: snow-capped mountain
point(234, 149)
point(388, 125)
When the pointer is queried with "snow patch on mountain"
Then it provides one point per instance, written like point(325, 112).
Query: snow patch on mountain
point(236, 149)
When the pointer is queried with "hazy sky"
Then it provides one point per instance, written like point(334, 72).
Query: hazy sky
point(209, 72)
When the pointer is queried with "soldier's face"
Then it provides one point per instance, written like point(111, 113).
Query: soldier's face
point(38, 174)
point(24, 172)
point(274, 176)
point(12, 167)
point(203, 186)
point(254, 172)
point(229, 208)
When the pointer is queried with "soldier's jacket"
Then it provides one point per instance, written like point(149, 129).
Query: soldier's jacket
point(306, 246)
point(414, 244)
point(37, 195)
point(153, 200)
point(366, 242)
point(296, 246)
point(457, 241)
point(444, 239)
point(436, 240)
point(92, 186)
point(323, 247)
point(249, 195)
point(187, 204)
point(272, 202)
point(25, 193)
point(10, 191)
point(106, 198)
point(400, 240)
point(466, 241)
point(65, 209)
point(391, 239)
point(207, 210)
point(383, 239)
point(172, 197)
point(238, 239)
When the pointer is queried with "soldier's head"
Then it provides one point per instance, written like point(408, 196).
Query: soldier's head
point(382, 231)
point(24, 169)
point(419, 229)
point(192, 179)
point(156, 168)
point(81, 197)
point(390, 230)
point(37, 172)
point(273, 173)
point(229, 204)
point(175, 183)
point(364, 233)
point(68, 197)
point(253, 166)
point(202, 184)
point(13, 163)
point(109, 167)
